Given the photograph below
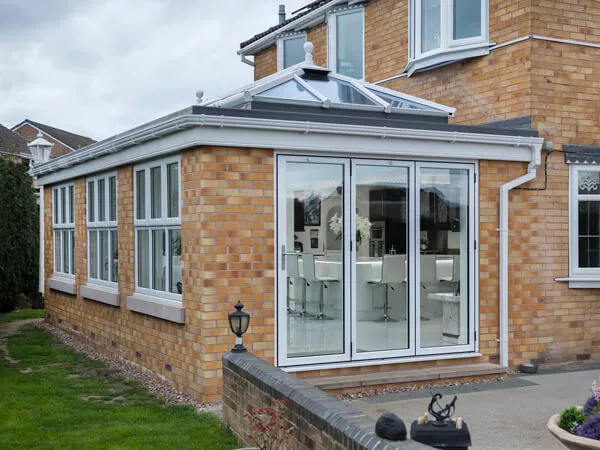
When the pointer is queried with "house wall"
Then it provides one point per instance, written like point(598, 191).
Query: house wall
point(30, 133)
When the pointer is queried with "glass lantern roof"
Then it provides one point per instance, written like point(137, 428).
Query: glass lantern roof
point(310, 85)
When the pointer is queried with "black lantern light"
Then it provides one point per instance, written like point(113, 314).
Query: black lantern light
point(238, 322)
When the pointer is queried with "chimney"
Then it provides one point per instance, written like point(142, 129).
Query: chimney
point(281, 14)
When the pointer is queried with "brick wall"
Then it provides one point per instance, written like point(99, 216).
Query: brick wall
point(319, 420)
point(30, 133)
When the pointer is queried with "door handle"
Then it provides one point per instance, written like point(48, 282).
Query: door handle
point(283, 257)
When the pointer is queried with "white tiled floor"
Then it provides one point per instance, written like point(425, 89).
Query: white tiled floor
point(308, 336)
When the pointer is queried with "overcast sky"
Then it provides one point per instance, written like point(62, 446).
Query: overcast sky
point(99, 67)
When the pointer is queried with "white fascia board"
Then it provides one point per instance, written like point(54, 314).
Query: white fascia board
point(311, 19)
point(197, 130)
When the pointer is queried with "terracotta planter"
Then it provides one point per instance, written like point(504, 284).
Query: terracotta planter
point(569, 440)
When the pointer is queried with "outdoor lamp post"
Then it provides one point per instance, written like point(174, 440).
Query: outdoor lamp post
point(40, 149)
point(238, 322)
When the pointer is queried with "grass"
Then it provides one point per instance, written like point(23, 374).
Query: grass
point(54, 398)
point(22, 315)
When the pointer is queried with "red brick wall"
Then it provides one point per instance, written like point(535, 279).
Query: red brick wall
point(30, 133)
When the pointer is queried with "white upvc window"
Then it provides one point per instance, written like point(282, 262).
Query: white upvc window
point(63, 228)
point(585, 222)
point(442, 31)
point(346, 42)
point(290, 50)
point(102, 229)
point(158, 228)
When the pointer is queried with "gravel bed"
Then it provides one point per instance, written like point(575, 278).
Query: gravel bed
point(128, 371)
point(368, 393)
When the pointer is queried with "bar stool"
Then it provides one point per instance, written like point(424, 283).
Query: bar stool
point(310, 276)
point(393, 271)
point(293, 274)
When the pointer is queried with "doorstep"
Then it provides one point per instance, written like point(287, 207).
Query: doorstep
point(433, 375)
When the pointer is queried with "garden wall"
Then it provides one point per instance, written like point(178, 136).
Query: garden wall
point(319, 420)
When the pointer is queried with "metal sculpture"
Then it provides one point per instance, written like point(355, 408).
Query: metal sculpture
point(442, 414)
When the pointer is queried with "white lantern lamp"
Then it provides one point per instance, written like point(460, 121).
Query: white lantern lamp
point(40, 149)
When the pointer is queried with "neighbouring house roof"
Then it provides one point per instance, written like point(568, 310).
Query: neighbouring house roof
point(71, 140)
point(12, 143)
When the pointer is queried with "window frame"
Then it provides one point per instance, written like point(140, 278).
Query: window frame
point(281, 47)
point(450, 49)
point(104, 225)
point(574, 197)
point(60, 226)
point(332, 36)
point(150, 224)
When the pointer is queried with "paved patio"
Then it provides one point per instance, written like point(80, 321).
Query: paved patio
point(509, 414)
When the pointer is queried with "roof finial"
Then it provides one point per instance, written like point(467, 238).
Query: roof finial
point(308, 53)
point(199, 96)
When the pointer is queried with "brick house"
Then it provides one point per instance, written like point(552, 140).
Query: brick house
point(366, 230)
point(64, 141)
point(13, 146)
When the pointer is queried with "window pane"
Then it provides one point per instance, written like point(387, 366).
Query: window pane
point(71, 205)
point(101, 200)
point(55, 200)
point(114, 254)
point(143, 261)
point(140, 192)
point(63, 205)
point(467, 18)
point(175, 263)
point(57, 251)
point(338, 91)
point(93, 254)
point(65, 254)
point(430, 25)
point(91, 201)
point(589, 218)
point(173, 187)
point(104, 255)
point(112, 182)
point(291, 89)
point(589, 252)
point(349, 42)
point(293, 51)
point(155, 193)
point(158, 261)
point(588, 183)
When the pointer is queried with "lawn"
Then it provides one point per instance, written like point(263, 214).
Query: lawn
point(58, 399)
point(22, 315)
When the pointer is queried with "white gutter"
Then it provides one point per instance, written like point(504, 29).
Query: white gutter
point(504, 190)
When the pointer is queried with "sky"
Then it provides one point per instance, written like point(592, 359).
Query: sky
point(100, 67)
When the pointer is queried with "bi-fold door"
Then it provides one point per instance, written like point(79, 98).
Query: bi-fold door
point(375, 259)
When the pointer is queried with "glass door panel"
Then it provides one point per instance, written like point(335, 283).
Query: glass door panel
point(445, 226)
point(381, 223)
point(313, 319)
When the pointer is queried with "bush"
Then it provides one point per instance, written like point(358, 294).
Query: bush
point(570, 418)
point(19, 235)
point(590, 405)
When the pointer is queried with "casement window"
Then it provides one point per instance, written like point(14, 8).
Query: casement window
point(290, 50)
point(346, 42)
point(442, 31)
point(158, 228)
point(102, 228)
point(63, 228)
point(585, 221)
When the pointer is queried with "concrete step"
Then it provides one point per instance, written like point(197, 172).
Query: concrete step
point(430, 374)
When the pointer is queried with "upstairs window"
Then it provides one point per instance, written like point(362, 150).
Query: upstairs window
point(290, 50)
point(447, 30)
point(346, 43)
point(102, 228)
point(63, 228)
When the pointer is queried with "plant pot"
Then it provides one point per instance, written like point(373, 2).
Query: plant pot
point(569, 440)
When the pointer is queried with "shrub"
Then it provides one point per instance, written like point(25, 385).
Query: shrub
point(269, 429)
point(19, 235)
point(590, 405)
point(570, 418)
point(590, 427)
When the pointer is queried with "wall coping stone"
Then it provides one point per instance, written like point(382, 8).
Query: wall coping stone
point(102, 294)
point(347, 425)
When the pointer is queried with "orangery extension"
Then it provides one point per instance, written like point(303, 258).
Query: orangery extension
point(356, 225)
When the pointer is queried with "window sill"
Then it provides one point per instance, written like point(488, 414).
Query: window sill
point(102, 294)
point(65, 285)
point(446, 56)
point(157, 307)
point(581, 283)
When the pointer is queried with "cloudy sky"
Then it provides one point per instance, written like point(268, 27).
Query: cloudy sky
point(99, 67)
